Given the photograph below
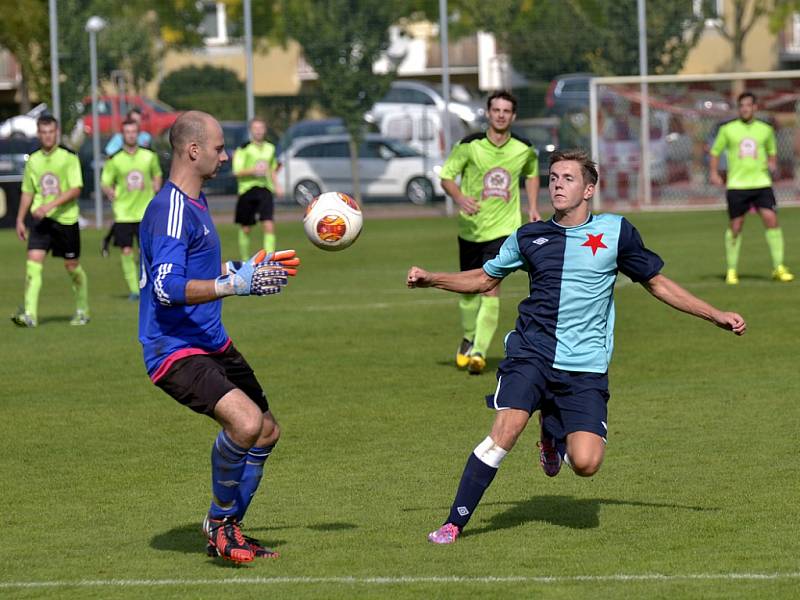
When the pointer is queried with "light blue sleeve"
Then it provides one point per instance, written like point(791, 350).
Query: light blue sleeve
point(508, 260)
point(114, 145)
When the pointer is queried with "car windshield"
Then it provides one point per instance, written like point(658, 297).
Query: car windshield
point(158, 106)
point(401, 149)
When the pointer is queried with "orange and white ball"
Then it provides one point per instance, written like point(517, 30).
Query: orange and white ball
point(333, 221)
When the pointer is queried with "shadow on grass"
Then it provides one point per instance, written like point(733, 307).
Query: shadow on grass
point(564, 511)
point(55, 319)
point(491, 365)
point(189, 540)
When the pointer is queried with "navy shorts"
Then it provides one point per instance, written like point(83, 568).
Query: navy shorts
point(570, 401)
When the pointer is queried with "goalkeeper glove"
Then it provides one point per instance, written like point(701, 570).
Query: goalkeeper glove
point(253, 277)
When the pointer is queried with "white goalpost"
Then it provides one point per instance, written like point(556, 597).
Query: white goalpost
point(662, 162)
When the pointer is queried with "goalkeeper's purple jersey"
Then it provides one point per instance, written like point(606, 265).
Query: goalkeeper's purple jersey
point(178, 242)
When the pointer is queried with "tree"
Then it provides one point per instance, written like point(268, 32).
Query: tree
point(21, 30)
point(139, 31)
point(215, 90)
point(736, 25)
point(341, 41)
point(546, 38)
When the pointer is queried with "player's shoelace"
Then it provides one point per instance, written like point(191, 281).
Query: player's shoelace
point(233, 542)
point(549, 457)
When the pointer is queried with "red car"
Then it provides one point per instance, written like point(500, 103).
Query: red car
point(157, 117)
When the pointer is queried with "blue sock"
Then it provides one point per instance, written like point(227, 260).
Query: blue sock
point(476, 478)
point(227, 467)
point(251, 477)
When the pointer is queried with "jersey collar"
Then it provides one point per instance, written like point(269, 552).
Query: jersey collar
point(588, 220)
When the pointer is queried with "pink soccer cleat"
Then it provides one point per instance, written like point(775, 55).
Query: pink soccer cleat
point(446, 534)
point(549, 457)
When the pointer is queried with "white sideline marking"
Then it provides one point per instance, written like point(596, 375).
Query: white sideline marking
point(86, 583)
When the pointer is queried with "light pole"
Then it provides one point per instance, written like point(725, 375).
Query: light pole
point(93, 25)
point(54, 71)
point(443, 41)
point(248, 56)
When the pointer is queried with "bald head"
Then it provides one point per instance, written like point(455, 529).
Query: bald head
point(193, 126)
point(198, 146)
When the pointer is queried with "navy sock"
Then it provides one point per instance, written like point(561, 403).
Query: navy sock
point(251, 477)
point(227, 466)
point(476, 478)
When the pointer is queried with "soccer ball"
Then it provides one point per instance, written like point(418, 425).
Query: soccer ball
point(333, 221)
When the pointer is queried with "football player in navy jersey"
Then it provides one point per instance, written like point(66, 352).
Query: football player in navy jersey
point(558, 354)
point(187, 351)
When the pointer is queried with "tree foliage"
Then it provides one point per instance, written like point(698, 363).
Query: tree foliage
point(216, 90)
point(341, 41)
point(545, 38)
point(21, 28)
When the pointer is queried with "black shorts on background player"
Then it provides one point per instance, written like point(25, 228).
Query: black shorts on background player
point(124, 234)
point(740, 201)
point(199, 381)
point(472, 255)
point(255, 201)
point(61, 240)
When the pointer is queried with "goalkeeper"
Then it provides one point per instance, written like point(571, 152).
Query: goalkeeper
point(187, 352)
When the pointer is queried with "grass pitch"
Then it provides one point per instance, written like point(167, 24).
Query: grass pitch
point(106, 479)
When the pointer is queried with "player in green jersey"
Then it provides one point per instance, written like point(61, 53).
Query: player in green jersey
point(490, 165)
point(255, 167)
point(130, 179)
point(749, 145)
point(51, 185)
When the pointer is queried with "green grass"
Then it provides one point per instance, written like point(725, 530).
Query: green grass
point(106, 478)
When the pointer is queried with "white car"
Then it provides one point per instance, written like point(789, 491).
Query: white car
point(404, 93)
point(420, 127)
point(387, 169)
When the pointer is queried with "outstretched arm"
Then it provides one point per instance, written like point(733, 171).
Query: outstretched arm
point(475, 281)
point(673, 294)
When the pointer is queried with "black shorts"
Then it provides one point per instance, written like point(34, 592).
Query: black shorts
point(472, 255)
point(201, 380)
point(740, 201)
point(61, 240)
point(257, 200)
point(570, 401)
point(124, 234)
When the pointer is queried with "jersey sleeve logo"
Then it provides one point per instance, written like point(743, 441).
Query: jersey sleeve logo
point(496, 184)
point(748, 148)
point(50, 184)
point(595, 242)
point(134, 180)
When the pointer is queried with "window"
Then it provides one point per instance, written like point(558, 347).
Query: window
point(712, 10)
point(214, 25)
point(373, 150)
point(335, 150)
point(418, 97)
point(427, 130)
point(400, 128)
point(310, 151)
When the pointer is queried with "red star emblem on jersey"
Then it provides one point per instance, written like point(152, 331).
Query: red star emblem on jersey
point(594, 242)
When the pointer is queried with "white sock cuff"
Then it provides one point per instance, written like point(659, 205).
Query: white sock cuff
point(490, 453)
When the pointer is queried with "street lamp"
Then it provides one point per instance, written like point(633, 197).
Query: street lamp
point(93, 25)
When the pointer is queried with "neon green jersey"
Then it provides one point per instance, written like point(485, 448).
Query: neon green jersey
point(747, 146)
point(250, 155)
point(490, 174)
point(49, 174)
point(131, 175)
